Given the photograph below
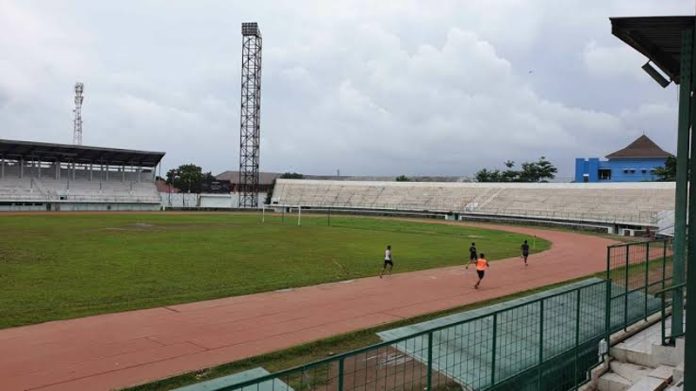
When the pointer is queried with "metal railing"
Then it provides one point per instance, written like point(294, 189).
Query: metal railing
point(490, 352)
point(642, 217)
point(547, 343)
point(641, 267)
point(669, 339)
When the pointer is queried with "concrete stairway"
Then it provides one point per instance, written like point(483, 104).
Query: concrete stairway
point(641, 364)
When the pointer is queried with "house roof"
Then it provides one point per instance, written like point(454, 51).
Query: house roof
point(164, 187)
point(265, 178)
point(642, 147)
point(659, 38)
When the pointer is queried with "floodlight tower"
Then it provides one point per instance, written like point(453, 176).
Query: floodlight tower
point(77, 121)
point(250, 116)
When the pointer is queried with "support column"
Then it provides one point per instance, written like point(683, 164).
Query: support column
point(38, 166)
point(90, 172)
point(123, 172)
point(73, 170)
point(690, 348)
point(57, 169)
point(2, 167)
point(21, 167)
point(680, 197)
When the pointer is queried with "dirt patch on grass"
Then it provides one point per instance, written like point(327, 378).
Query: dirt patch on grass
point(135, 227)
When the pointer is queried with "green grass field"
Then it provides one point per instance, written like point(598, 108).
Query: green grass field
point(70, 265)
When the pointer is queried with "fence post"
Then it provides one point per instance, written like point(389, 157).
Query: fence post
point(663, 300)
point(628, 253)
point(429, 375)
point(607, 289)
point(495, 334)
point(340, 374)
point(664, 262)
point(647, 270)
point(541, 343)
point(577, 335)
point(663, 323)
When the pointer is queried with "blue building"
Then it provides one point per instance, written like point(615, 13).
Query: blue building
point(635, 163)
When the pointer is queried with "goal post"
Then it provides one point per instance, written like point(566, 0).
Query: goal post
point(271, 213)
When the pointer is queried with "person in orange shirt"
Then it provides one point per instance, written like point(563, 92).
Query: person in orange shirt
point(481, 266)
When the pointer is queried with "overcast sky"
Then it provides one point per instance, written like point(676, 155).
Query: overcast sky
point(367, 87)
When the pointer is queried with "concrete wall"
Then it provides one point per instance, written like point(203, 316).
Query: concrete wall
point(74, 206)
point(203, 201)
point(622, 170)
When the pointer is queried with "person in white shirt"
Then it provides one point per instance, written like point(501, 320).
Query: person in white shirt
point(387, 261)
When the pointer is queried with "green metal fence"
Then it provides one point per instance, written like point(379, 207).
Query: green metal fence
point(548, 343)
point(643, 268)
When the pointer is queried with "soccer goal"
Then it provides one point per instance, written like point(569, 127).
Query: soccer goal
point(281, 214)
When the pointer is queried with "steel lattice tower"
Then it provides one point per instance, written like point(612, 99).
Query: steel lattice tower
point(77, 121)
point(250, 116)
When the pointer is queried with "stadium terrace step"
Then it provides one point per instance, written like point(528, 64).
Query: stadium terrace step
point(649, 384)
point(613, 382)
point(645, 363)
point(628, 371)
point(647, 353)
point(251, 374)
point(678, 386)
point(631, 377)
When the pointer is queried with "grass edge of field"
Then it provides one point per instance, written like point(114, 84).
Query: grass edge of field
point(145, 303)
point(326, 347)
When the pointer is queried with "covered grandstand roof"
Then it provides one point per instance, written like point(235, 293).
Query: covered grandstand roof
point(657, 37)
point(642, 147)
point(14, 149)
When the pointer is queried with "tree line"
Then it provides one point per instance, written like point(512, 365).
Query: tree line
point(191, 178)
point(541, 170)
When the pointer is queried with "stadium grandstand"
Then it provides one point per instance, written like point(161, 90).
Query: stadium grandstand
point(37, 176)
point(621, 207)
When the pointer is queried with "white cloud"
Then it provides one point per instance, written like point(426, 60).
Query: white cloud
point(614, 61)
point(389, 87)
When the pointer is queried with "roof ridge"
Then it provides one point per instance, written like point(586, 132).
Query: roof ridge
point(642, 147)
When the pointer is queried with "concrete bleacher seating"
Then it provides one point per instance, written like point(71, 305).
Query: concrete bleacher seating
point(80, 190)
point(630, 203)
point(49, 176)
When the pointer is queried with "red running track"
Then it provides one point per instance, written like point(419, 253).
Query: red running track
point(124, 349)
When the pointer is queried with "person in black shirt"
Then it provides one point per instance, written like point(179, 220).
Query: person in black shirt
point(525, 251)
point(473, 254)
